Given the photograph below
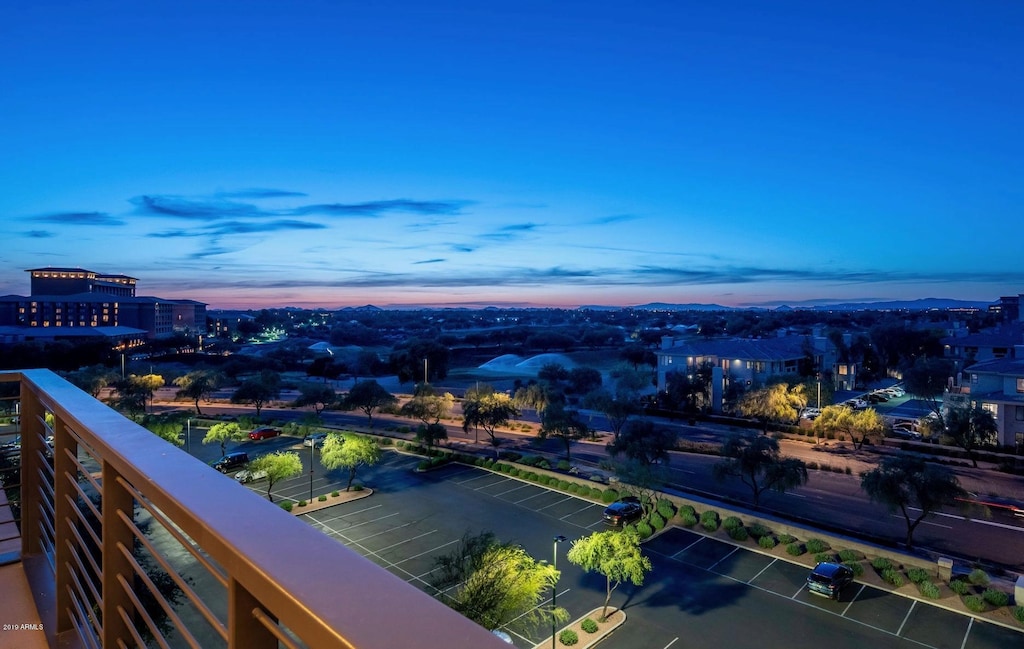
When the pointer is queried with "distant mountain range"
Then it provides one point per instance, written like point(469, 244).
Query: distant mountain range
point(923, 304)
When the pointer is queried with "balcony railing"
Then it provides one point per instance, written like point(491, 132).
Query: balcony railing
point(129, 541)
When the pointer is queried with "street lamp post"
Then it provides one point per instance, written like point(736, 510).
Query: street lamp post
point(188, 436)
point(554, 588)
point(312, 445)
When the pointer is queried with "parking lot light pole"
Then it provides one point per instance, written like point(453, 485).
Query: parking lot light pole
point(554, 588)
point(311, 447)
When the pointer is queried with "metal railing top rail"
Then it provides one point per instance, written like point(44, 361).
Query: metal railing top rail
point(328, 594)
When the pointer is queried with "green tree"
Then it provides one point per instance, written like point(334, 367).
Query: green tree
point(776, 402)
point(427, 406)
point(971, 428)
point(166, 425)
point(92, 379)
point(758, 463)
point(149, 384)
point(278, 466)
point(497, 585)
point(562, 423)
point(860, 425)
point(487, 410)
point(317, 395)
point(583, 380)
point(431, 434)
point(410, 359)
point(926, 379)
point(644, 442)
point(617, 408)
point(615, 555)
point(222, 433)
point(367, 396)
point(536, 396)
point(258, 391)
point(198, 385)
point(349, 451)
point(904, 483)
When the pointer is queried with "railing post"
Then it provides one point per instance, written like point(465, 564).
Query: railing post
point(64, 470)
point(244, 630)
point(115, 498)
point(32, 427)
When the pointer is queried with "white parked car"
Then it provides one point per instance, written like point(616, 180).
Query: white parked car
point(810, 413)
point(245, 475)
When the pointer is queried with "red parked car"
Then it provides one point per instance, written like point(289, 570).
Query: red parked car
point(264, 432)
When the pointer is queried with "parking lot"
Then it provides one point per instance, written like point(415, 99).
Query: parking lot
point(695, 595)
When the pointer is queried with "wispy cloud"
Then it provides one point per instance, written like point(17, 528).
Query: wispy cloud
point(79, 218)
point(379, 208)
point(219, 207)
point(429, 261)
point(239, 227)
point(39, 234)
point(187, 208)
point(614, 218)
point(260, 192)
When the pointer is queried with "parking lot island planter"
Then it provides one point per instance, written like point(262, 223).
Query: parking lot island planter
point(330, 500)
point(616, 618)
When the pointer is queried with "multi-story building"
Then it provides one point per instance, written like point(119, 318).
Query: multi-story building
point(71, 298)
point(995, 385)
point(744, 363)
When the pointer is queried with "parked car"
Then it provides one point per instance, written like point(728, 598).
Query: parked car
point(264, 432)
point(316, 439)
point(810, 414)
point(231, 461)
point(895, 391)
point(877, 397)
point(829, 579)
point(623, 511)
point(245, 475)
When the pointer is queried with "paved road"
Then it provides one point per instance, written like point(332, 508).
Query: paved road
point(701, 593)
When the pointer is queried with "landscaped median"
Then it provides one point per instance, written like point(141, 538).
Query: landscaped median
point(327, 500)
point(588, 630)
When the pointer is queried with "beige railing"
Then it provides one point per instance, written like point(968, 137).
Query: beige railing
point(129, 541)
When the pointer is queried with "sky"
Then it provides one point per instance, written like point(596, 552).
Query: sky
point(327, 153)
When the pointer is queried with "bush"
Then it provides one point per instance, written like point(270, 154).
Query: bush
point(738, 533)
point(917, 575)
point(795, 549)
point(893, 576)
point(563, 465)
point(666, 509)
point(757, 531)
point(514, 472)
point(322, 499)
point(286, 505)
point(688, 519)
point(974, 603)
point(1018, 613)
point(302, 503)
point(657, 522)
point(786, 539)
point(423, 466)
point(847, 555)
point(709, 520)
point(855, 567)
point(978, 577)
point(357, 487)
point(596, 493)
point(881, 563)
point(928, 589)
point(687, 509)
point(817, 545)
point(563, 485)
point(959, 586)
point(731, 522)
point(767, 542)
point(609, 495)
point(543, 464)
point(995, 597)
point(335, 494)
point(568, 637)
point(589, 625)
point(644, 529)
point(824, 557)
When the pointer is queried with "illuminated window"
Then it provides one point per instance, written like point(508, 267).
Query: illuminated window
point(1020, 385)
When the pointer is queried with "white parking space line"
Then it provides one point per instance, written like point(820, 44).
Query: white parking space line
point(671, 643)
point(384, 562)
point(906, 617)
point(433, 549)
point(676, 555)
point(491, 484)
point(582, 509)
point(715, 564)
point(341, 516)
point(373, 520)
point(387, 531)
point(557, 502)
point(541, 493)
point(412, 538)
point(967, 633)
point(521, 485)
point(853, 599)
point(474, 478)
point(760, 571)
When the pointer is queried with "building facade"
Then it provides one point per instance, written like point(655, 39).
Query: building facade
point(997, 386)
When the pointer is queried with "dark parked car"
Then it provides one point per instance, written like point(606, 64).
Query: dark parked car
point(231, 461)
point(829, 579)
point(623, 511)
point(264, 432)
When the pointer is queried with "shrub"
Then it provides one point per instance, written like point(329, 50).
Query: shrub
point(335, 494)
point(423, 466)
point(974, 603)
point(959, 586)
point(847, 555)
point(995, 597)
point(286, 505)
point(644, 529)
point(514, 472)
point(563, 465)
point(824, 557)
point(357, 487)
point(568, 637)
point(855, 567)
point(917, 575)
point(687, 509)
point(767, 542)
point(302, 503)
point(688, 519)
point(322, 499)
point(738, 533)
point(786, 539)
point(757, 531)
point(731, 522)
point(794, 549)
point(596, 493)
point(609, 495)
point(709, 520)
point(511, 456)
point(543, 464)
point(928, 589)
point(893, 576)
point(563, 485)
point(817, 545)
point(1018, 613)
point(589, 625)
point(657, 522)
point(666, 509)
point(978, 577)
point(881, 563)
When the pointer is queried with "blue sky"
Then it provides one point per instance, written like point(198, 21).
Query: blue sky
point(331, 153)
